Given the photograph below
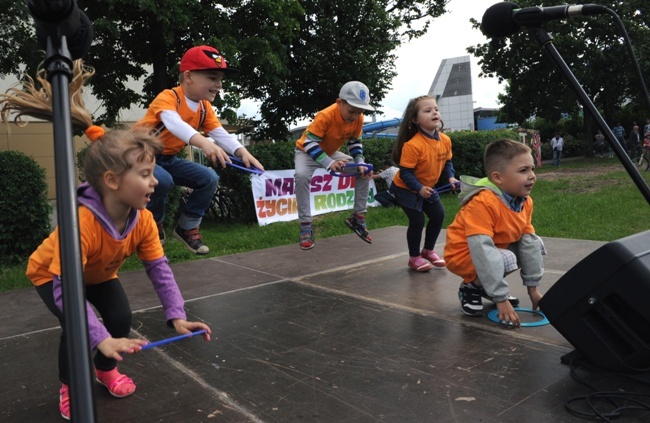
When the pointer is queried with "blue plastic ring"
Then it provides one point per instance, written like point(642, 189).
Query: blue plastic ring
point(493, 315)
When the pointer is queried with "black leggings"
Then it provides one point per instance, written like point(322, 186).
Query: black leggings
point(436, 214)
point(112, 305)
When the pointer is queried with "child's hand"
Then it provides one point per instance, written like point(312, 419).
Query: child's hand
point(455, 184)
point(183, 326)
point(214, 153)
point(248, 159)
point(112, 347)
point(363, 171)
point(425, 192)
point(338, 165)
point(535, 296)
point(507, 314)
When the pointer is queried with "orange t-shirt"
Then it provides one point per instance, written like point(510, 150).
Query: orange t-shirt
point(329, 126)
point(427, 158)
point(167, 100)
point(102, 255)
point(484, 214)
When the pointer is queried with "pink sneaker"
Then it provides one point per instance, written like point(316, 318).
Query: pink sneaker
point(434, 258)
point(419, 264)
point(118, 385)
point(64, 401)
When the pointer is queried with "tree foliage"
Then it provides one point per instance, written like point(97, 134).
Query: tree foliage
point(593, 49)
point(293, 55)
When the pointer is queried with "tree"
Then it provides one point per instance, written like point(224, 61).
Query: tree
point(591, 46)
point(293, 55)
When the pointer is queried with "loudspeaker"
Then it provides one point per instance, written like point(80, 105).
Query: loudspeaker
point(602, 305)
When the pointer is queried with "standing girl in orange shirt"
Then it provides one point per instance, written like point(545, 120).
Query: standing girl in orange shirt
point(423, 155)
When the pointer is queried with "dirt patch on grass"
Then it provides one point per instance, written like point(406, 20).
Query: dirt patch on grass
point(585, 180)
point(571, 173)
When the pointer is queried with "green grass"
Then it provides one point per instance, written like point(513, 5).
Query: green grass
point(591, 199)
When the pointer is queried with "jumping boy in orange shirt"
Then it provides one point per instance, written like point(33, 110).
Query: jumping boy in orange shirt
point(340, 123)
point(492, 235)
point(178, 116)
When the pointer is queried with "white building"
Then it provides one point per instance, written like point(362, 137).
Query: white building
point(452, 87)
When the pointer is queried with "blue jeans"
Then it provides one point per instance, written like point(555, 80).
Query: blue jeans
point(557, 156)
point(170, 171)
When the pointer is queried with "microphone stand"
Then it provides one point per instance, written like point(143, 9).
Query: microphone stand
point(58, 64)
point(546, 40)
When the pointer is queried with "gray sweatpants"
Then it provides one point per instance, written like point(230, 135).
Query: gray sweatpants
point(305, 168)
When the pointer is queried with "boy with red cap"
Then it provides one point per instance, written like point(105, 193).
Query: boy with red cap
point(180, 116)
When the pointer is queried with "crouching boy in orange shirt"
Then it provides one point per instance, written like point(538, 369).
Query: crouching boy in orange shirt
point(492, 235)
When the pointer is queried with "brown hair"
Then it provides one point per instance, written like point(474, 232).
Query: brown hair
point(499, 153)
point(111, 153)
point(408, 128)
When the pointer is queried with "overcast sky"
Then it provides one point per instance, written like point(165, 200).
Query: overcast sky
point(418, 61)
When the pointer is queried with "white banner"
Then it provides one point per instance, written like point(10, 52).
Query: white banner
point(275, 198)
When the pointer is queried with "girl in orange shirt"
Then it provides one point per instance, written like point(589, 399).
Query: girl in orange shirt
point(113, 225)
point(423, 154)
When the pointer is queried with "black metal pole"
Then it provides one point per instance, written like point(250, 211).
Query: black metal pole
point(546, 41)
point(58, 64)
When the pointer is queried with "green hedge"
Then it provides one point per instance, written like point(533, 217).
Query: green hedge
point(24, 207)
point(468, 150)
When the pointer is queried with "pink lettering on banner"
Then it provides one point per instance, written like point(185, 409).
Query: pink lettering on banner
point(345, 183)
point(270, 208)
point(279, 187)
point(321, 183)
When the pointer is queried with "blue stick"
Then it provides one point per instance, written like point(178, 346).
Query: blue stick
point(239, 164)
point(368, 166)
point(446, 188)
point(170, 340)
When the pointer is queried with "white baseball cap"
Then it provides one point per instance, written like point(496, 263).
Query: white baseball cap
point(356, 94)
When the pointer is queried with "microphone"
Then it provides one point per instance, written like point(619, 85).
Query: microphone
point(505, 18)
point(56, 18)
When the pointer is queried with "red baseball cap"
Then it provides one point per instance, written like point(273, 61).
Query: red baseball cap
point(205, 58)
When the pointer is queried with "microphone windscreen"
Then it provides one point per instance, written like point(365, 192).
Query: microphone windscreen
point(79, 37)
point(498, 20)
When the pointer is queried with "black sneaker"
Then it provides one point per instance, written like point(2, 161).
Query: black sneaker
point(359, 227)
point(191, 239)
point(514, 301)
point(161, 233)
point(470, 300)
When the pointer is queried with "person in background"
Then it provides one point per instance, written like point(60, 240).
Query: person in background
point(600, 143)
point(385, 197)
point(557, 144)
point(619, 133)
point(635, 141)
